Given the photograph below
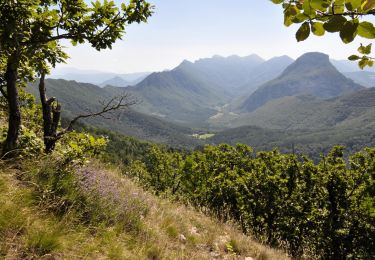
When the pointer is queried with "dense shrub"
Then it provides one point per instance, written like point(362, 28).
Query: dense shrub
point(325, 210)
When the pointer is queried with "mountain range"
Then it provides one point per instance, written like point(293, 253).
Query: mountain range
point(99, 78)
point(278, 102)
point(191, 93)
point(312, 73)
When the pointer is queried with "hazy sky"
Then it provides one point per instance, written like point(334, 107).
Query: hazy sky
point(193, 29)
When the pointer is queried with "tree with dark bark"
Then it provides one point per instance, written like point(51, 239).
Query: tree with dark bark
point(52, 114)
point(31, 30)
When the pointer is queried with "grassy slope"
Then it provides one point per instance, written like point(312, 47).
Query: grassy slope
point(166, 230)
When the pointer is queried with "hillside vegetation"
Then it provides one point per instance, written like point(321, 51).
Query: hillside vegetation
point(309, 112)
point(78, 98)
point(323, 210)
point(71, 204)
point(108, 217)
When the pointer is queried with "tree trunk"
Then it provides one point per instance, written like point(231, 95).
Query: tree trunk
point(51, 117)
point(14, 118)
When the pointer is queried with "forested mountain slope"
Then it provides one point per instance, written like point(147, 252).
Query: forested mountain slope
point(309, 112)
point(311, 74)
point(180, 95)
point(264, 72)
point(79, 98)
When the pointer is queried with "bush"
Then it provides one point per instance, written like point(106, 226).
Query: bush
point(324, 209)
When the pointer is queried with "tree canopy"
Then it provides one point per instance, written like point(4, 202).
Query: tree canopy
point(348, 18)
point(30, 34)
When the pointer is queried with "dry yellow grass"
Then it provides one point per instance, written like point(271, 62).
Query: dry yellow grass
point(174, 231)
point(167, 230)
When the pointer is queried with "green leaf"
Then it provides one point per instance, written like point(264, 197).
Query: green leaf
point(307, 9)
point(353, 4)
point(365, 49)
point(303, 32)
point(277, 1)
point(339, 6)
point(353, 57)
point(366, 30)
point(320, 5)
point(289, 13)
point(349, 31)
point(317, 29)
point(299, 18)
point(362, 63)
point(335, 24)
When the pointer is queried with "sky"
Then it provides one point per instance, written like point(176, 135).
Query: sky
point(193, 29)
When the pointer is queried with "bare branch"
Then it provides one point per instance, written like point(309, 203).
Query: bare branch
point(121, 102)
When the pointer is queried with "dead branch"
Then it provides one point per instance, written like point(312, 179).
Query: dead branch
point(116, 103)
point(52, 113)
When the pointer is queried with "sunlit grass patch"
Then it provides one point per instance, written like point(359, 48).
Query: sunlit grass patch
point(109, 218)
point(44, 239)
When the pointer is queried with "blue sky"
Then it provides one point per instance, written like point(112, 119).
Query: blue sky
point(193, 29)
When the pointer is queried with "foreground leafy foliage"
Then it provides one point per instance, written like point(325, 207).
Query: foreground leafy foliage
point(345, 17)
point(325, 210)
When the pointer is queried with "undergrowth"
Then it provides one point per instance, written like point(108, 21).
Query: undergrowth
point(87, 210)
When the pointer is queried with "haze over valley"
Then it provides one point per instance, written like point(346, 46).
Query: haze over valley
point(311, 100)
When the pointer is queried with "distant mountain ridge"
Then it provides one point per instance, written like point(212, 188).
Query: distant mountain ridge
point(314, 104)
point(228, 72)
point(77, 98)
point(353, 110)
point(222, 91)
point(95, 77)
point(364, 78)
point(264, 72)
point(116, 81)
point(310, 74)
point(194, 91)
point(180, 95)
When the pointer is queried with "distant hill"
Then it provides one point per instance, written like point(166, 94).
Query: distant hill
point(77, 98)
point(308, 112)
point(195, 91)
point(349, 66)
point(182, 95)
point(94, 76)
point(264, 72)
point(230, 72)
point(364, 78)
point(116, 82)
point(311, 74)
point(308, 142)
